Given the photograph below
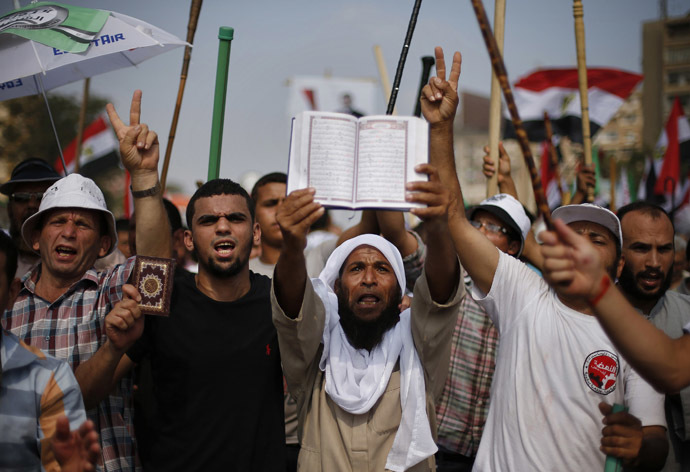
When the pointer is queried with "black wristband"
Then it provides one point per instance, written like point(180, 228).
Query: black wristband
point(146, 193)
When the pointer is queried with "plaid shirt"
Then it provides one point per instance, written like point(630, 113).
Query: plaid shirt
point(464, 404)
point(72, 328)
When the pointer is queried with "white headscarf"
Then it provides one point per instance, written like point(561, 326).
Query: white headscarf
point(356, 378)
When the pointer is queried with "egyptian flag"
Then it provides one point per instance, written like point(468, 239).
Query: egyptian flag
point(556, 92)
point(674, 142)
point(99, 150)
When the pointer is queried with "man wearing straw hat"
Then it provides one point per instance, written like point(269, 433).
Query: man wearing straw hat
point(557, 373)
point(66, 308)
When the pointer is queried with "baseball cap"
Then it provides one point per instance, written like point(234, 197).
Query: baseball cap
point(509, 211)
point(29, 170)
point(73, 191)
point(593, 213)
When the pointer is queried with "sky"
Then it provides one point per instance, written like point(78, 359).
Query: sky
point(276, 40)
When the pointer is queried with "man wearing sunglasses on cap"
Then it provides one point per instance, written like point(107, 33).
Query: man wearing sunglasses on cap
point(29, 179)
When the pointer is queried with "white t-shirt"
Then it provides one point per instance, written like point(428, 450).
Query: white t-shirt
point(554, 365)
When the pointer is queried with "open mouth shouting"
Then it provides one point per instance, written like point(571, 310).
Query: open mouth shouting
point(65, 252)
point(224, 248)
point(650, 280)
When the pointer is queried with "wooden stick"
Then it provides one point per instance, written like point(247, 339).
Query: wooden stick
point(383, 75)
point(500, 70)
point(82, 123)
point(553, 153)
point(612, 179)
point(578, 14)
point(495, 104)
point(191, 31)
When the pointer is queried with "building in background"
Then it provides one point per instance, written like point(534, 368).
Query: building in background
point(666, 70)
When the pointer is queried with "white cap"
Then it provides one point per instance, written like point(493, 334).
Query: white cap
point(73, 191)
point(593, 213)
point(510, 211)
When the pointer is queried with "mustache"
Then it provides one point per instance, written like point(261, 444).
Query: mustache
point(651, 274)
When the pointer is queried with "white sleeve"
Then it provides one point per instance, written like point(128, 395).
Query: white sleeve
point(642, 400)
point(514, 286)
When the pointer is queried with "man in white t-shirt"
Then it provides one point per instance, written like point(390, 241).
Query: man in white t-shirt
point(557, 374)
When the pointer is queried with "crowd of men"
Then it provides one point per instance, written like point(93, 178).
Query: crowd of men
point(465, 345)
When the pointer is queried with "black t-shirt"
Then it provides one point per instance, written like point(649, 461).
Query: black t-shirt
point(217, 382)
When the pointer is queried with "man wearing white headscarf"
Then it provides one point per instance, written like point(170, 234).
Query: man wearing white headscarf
point(365, 375)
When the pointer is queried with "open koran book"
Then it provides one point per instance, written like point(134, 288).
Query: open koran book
point(357, 163)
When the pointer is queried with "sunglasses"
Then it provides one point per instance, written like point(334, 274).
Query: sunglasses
point(492, 228)
point(24, 197)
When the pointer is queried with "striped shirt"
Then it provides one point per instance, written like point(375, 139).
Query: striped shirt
point(72, 328)
point(36, 389)
point(464, 404)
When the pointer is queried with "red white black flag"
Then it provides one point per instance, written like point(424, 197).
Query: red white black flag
point(556, 91)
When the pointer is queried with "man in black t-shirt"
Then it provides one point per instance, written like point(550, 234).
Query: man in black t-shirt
point(215, 361)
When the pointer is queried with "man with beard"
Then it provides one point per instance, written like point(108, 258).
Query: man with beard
point(365, 376)
point(215, 363)
point(29, 179)
point(648, 251)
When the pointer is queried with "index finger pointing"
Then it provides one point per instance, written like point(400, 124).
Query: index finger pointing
point(135, 108)
point(440, 63)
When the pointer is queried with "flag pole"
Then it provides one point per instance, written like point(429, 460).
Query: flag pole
point(403, 57)
point(427, 64)
point(191, 30)
point(225, 35)
point(554, 156)
point(495, 103)
point(578, 13)
point(383, 75)
point(502, 74)
point(612, 179)
point(80, 126)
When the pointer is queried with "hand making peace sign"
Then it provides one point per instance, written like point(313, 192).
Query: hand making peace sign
point(138, 145)
point(440, 97)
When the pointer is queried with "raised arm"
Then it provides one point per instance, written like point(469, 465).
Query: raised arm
point(295, 216)
point(441, 265)
point(572, 266)
point(506, 184)
point(139, 151)
point(123, 326)
point(439, 103)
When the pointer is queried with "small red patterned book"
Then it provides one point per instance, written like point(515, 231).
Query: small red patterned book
point(153, 277)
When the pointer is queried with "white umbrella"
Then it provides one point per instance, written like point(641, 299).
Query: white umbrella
point(123, 41)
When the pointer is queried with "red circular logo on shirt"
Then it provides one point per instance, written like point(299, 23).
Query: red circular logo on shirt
point(601, 371)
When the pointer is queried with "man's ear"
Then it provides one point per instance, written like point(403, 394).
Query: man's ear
point(105, 245)
point(513, 248)
point(188, 240)
point(619, 269)
point(256, 237)
point(35, 237)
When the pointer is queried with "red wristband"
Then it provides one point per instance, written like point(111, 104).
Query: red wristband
point(603, 288)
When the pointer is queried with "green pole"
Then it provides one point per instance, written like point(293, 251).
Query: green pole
point(225, 34)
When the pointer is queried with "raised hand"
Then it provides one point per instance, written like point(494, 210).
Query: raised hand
point(75, 451)
point(489, 167)
point(571, 263)
point(124, 324)
point(138, 145)
point(440, 96)
point(432, 193)
point(296, 215)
